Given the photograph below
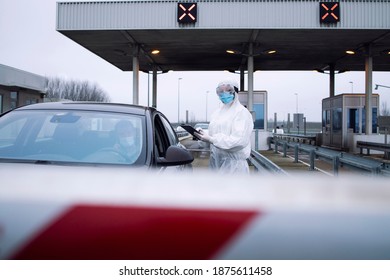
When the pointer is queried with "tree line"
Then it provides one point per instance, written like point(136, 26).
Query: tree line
point(75, 90)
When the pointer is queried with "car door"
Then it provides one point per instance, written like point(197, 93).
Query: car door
point(164, 137)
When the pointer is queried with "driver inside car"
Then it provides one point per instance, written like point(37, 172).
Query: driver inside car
point(125, 144)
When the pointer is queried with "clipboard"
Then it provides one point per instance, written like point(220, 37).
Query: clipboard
point(190, 129)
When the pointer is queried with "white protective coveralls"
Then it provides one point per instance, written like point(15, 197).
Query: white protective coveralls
point(230, 132)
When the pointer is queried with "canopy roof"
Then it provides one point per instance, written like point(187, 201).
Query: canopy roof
point(116, 30)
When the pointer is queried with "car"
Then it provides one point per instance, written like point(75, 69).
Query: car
point(86, 133)
point(118, 214)
point(203, 126)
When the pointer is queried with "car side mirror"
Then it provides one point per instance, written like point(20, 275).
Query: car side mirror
point(175, 156)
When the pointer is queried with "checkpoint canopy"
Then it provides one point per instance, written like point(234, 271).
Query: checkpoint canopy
point(236, 35)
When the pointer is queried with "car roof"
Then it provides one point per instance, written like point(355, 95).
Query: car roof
point(93, 106)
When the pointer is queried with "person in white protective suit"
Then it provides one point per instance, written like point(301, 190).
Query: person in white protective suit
point(229, 132)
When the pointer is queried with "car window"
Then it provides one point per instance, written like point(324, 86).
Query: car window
point(73, 136)
point(161, 138)
point(165, 136)
point(170, 132)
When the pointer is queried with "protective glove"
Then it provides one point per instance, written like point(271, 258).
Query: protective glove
point(203, 136)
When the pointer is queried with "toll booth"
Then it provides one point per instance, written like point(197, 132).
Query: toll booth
point(260, 106)
point(259, 114)
point(298, 122)
point(343, 116)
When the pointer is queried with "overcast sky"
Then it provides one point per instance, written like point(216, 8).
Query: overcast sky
point(30, 42)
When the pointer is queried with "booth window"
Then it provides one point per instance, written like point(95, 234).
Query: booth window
point(353, 119)
point(374, 120)
point(326, 119)
point(337, 121)
point(259, 121)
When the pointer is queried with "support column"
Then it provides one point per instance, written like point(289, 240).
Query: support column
point(136, 75)
point(242, 79)
point(250, 77)
point(368, 104)
point(148, 101)
point(288, 123)
point(331, 80)
point(154, 87)
point(275, 121)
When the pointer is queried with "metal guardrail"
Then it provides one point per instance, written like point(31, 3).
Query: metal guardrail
point(337, 158)
point(260, 163)
point(374, 146)
point(289, 137)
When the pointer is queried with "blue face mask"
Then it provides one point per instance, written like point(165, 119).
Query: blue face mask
point(226, 97)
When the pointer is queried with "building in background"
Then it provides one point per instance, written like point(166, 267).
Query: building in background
point(18, 88)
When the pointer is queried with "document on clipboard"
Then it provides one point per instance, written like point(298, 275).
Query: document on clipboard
point(190, 129)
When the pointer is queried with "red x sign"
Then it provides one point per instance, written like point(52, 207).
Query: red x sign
point(329, 12)
point(186, 12)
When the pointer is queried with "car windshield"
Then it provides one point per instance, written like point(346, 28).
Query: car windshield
point(88, 137)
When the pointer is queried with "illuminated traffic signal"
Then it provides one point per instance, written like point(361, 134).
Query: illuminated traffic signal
point(186, 12)
point(329, 12)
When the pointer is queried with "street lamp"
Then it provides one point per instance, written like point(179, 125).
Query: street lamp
point(377, 86)
point(178, 99)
